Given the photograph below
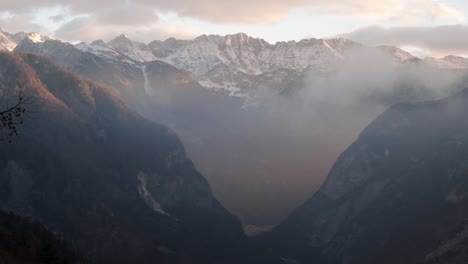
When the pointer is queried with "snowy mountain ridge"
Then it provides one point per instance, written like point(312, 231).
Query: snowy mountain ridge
point(235, 62)
point(448, 62)
point(8, 42)
point(249, 55)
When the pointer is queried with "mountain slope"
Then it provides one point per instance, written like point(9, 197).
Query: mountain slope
point(25, 241)
point(121, 73)
point(6, 44)
point(119, 187)
point(396, 195)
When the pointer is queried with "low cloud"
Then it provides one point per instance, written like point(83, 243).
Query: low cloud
point(89, 28)
point(265, 11)
point(127, 14)
point(82, 28)
point(401, 11)
point(57, 18)
point(438, 41)
point(277, 150)
point(19, 23)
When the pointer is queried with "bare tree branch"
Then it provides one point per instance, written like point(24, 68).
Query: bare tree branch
point(11, 117)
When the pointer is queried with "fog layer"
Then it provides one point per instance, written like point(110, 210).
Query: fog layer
point(263, 155)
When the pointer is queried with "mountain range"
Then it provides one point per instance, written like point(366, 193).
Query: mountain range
point(265, 124)
point(234, 99)
point(228, 62)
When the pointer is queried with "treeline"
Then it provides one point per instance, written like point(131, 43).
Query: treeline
point(25, 241)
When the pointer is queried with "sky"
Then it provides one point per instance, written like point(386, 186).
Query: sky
point(426, 27)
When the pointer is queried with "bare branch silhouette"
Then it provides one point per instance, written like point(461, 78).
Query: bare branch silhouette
point(11, 117)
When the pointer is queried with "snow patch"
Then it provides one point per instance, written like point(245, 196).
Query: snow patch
point(230, 87)
point(148, 88)
point(6, 43)
point(37, 38)
point(146, 195)
point(135, 50)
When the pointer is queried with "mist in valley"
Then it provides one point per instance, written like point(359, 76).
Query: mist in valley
point(266, 152)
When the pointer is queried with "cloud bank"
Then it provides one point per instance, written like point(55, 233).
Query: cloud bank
point(439, 41)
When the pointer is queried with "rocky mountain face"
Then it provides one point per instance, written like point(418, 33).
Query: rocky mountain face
point(241, 54)
point(396, 195)
point(237, 62)
point(117, 186)
point(255, 56)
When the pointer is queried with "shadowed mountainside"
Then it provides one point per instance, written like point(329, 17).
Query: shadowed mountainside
point(117, 186)
point(396, 195)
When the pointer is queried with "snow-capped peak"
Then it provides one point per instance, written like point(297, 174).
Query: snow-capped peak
point(135, 50)
point(456, 60)
point(38, 38)
point(10, 41)
point(105, 51)
point(123, 36)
